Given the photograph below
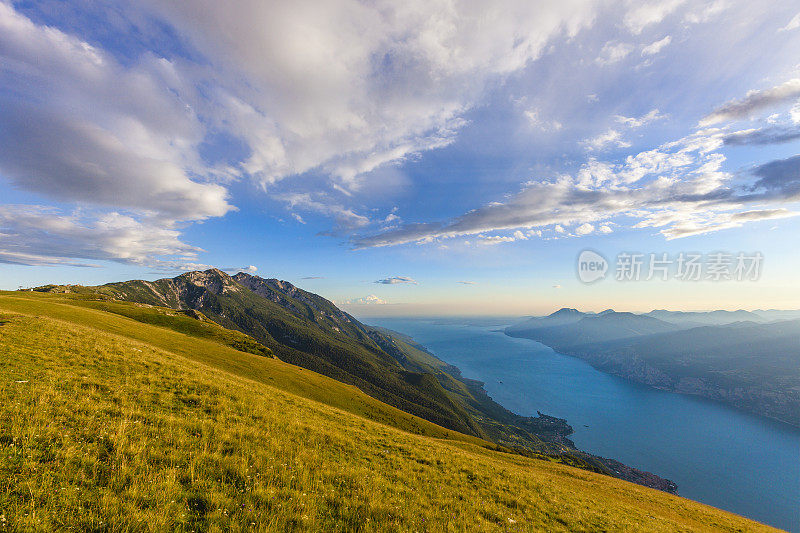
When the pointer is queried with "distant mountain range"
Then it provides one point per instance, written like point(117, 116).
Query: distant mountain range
point(307, 330)
point(568, 327)
point(747, 359)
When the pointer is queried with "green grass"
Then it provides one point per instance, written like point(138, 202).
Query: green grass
point(299, 327)
point(269, 371)
point(108, 424)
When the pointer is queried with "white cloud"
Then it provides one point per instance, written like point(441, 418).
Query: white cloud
point(494, 239)
point(395, 280)
point(605, 228)
point(251, 269)
point(348, 86)
point(794, 113)
point(613, 53)
point(655, 47)
point(466, 282)
point(754, 102)
point(792, 24)
point(38, 235)
point(610, 138)
point(678, 187)
point(366, 300)
point(339, 88)
point(634, 122)
point(87, 129)
point(645, 14)
point(584, 229)
point(706, 12)
point(699, 224)
point(345, 218)
point(537, 122)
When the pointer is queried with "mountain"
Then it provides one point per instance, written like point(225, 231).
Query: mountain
point(749, 364)
point(307, 330)
point(303, 329)
point(699, 318)
point(574, 328)
point(752, 366)
point(777, 314)
point(124, 416)
point(561, 317)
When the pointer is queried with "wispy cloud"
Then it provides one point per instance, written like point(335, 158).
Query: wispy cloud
point(613, 52)
point(792, 24)
point(761, 136)
point(395, 280)
point(366, 300)
point(40, 235)
point(250, 269)
point(88, 129)
point(678, 188)
point(699, 225)
point(611, 137)
point(656, 47)
point(637, 122)
point(754, 102)
point(645, 14)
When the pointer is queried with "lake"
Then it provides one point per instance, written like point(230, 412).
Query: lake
point(716, 454)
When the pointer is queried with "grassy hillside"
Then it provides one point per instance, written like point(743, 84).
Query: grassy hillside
point(307, 330)
point(300, 328)
point(111, 424)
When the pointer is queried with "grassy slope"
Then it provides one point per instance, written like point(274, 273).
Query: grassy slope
point(307, 330)
point(301, 334)
point(121, 425)
point(265, 370)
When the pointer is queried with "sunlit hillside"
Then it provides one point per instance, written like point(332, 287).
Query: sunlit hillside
point(110, 424)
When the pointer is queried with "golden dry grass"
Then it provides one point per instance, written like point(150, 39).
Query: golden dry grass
point(100, 431)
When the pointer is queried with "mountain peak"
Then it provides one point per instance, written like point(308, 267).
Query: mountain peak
point(213, 279)
point(566, 311)
point(251, 279)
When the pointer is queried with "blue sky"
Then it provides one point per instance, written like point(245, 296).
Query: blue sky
point(403, 158)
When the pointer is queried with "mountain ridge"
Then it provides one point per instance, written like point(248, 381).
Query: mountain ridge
point(752, 364)
point(308, 330)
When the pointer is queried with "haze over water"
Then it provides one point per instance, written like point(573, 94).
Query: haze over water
point(716, 454)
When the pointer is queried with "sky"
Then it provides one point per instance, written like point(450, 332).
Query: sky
point(408, 158)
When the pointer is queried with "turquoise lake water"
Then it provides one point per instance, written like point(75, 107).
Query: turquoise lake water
point(716, 454)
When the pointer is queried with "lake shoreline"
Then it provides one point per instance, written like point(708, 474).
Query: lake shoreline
point(642, 373)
